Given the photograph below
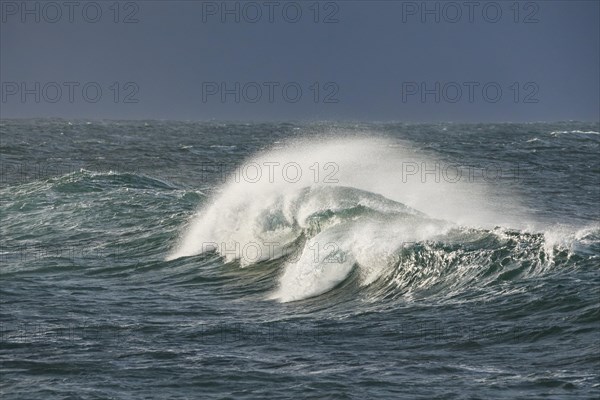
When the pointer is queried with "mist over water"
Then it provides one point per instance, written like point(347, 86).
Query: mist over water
point(207, 257)
point(343, 203)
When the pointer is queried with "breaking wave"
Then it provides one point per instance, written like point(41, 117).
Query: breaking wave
point(375, 214)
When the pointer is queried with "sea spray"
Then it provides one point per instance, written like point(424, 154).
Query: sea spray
point(359, 196)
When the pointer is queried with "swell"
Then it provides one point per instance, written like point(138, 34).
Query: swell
point(80, 182)
point(93, 223)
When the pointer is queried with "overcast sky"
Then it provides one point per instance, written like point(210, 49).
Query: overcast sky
point(345, 60)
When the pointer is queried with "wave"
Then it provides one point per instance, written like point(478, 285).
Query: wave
point(82, 180)
point(576, 131)
point(348, 209)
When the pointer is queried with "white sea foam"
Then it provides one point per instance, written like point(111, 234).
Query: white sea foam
point(576, 131)
point(365, 204)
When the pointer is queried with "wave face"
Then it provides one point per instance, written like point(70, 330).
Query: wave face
point(368, 210)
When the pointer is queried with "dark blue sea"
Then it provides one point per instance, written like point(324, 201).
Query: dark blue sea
point(215, 260)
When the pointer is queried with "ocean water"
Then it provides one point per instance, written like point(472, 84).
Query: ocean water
point(185, 260)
